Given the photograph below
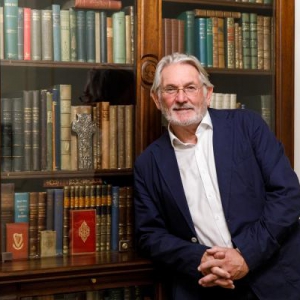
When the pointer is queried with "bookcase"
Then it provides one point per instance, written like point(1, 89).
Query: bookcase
point(116, 268)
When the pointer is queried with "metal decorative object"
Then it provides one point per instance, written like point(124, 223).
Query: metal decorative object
point(85, 128)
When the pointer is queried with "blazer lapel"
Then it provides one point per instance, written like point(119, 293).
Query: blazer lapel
point(167, 164)
point(222, 142)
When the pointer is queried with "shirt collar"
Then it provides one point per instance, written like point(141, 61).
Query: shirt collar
point(206, 123)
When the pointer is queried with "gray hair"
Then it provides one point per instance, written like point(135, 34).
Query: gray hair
point(180, 58)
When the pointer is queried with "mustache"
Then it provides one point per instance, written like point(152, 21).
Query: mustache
point(182, 106)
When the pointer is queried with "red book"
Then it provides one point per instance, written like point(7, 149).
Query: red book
point(82, 231)
point(98, 4)
point(27, 33)
point(17, 239)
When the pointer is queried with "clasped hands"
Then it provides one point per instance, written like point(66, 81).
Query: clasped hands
point(220, 266)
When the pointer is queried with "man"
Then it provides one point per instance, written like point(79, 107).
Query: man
point(217, 203)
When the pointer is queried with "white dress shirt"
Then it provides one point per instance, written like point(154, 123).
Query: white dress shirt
point(198, 174)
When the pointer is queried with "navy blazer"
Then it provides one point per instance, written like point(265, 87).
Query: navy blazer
point(260, 195)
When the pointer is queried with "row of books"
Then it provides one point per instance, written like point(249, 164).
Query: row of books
point(71, 34)
point(42, 131)
point(66, 221)
point(221, 39)
point(120, 293)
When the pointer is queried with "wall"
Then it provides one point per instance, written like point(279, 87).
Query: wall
point(297, 89)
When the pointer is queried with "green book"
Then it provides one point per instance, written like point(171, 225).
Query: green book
point(119, 44)
point(81, 37)
point(253, 40)
point(209, 42)
point(20, 33)
point(36, 35)
point(11, 29)
point(189, 28)
point(73, 35)
point(90, 36)
point(47, 34)
point(246, 40)
point(17, 134)
point(65, 35)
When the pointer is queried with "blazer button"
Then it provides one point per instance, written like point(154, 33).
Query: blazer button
point(194, 240)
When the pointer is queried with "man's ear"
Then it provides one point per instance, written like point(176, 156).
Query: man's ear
point(154, 96)
point(208, 95)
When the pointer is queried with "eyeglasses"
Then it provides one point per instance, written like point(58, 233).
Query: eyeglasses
point(189, 90)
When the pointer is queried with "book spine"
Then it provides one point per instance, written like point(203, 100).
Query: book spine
point(260, 43)
point(129, 10)
point(121, 136)
point(36, 158)
point(108, 219)
point(49, 132)
point(103, 37)
point(73, 35)
point(221, 44)
point(253, 41)
point(41, 218)
point(36, 35)
point(201, 40)
point(97, 37)
point(246, 40)
point(90, 36)
point(43, 130)
point(129, 136)
point(50, 209)
point(66, 220)
point(27, 33)
point(65, 35)
point(11, 29)
point(65, 125)
point(1, 33)
point(81, 36)
point(115, 218)
point(109, 35)
point(119, 43)
point(17, 134)
point(56, 128)
point(209, 42)
point(230, 44)
point(47, 34)
point(267, 42)
point(56, 32)
point(21, 204)
point(33, 224)
point(105, 121)
point(215, 42)
point(99, 4)
point(58, 219)
point(189, 19)
point(20, 33)
point(27, 98)
point(129, 217)
point(113, 137)
point(6, 134)
point(122, 213)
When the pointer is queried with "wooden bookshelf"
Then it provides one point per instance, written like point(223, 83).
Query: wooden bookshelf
point(45, 276)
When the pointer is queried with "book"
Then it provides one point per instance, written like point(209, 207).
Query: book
point(129, 110)
point(66, 219)
point(49, 131)
point(65, 50)
point(65, 91)
point(129, 217)
point(17, 239)
point(47, 243)
point(27, 105)
point(119, 42)
point(21, 205)
point(201, 40)
point(105, 121)
point(20, 33)
point(229, 42)
point(97, 37)
point(189, 28)
point(56, 32)
point(103, 36)
point(6, 211)
point(50, 209)
point(81, 35)
point(6, 134)
point(267, 42)
point(221, 43)
point(58, 219)
point(36, 154)
point(47, 34)
point(130, 33)
point(73, 35)
point(113, 137)
point(90, 36)
point(27, 33)
point(167, 36)
point(115, 218)
point(33, 224)
point(209, 42)
point(10, 29)
point(82, 231)
point(1, 33)
point(43, 129)
point(121, 136)
point(246, 40)
point(98, 4)
point(122, 230)
point(36, 35)
point(56, 130)
point(253, 41)
point(108, 219)
point(109, 39)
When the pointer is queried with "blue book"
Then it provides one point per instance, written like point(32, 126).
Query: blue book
point(11, 29)
point(90, 36)
point(115, 218)
point(21, 207)
point(56, 32)
point(81, 36)
point(209, 42)
point(58, 219)
point(201, 40)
